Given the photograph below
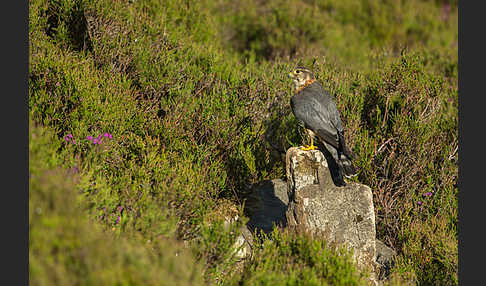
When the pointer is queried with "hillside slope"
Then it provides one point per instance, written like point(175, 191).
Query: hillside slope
point(160, 111)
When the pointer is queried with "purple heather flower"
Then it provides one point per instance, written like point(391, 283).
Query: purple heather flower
point(428, 194)
point(447, 7)
point(110, 136)
point(69, 137)
point(90, 138)
point(120, 208)
point(118, 220)
point(419, 203)
point(106, 135)
point(95, 141)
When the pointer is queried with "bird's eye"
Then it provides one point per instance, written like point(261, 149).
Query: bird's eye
point(297, 71)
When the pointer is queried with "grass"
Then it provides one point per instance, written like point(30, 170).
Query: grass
point(190, 92)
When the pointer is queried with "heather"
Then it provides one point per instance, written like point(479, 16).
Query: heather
point(151, 120)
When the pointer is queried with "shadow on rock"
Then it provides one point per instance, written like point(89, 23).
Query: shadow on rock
point(266, 206)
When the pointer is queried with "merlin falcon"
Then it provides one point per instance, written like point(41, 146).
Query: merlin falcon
point(315, 110)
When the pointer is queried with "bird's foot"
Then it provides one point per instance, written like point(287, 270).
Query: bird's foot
point(307, 148)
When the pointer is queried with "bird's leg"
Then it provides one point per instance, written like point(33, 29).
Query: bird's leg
point(309, 147)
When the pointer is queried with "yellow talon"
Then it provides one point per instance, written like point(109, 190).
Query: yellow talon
point(309, 147)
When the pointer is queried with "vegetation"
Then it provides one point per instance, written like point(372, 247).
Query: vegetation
point(185, 102)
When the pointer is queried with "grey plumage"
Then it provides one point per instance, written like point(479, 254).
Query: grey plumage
point(315, 110)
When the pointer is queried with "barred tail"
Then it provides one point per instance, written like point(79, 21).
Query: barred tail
point(347, 166)
point(345, 158)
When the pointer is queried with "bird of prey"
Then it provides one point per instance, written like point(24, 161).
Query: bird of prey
point(315, 110)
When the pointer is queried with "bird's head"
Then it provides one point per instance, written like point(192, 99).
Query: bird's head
point(301, 76)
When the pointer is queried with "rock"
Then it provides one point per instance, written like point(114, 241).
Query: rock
point(266, 206)
point(384, 259)
point(243, 244)
point(344, 215)
point(309, 201)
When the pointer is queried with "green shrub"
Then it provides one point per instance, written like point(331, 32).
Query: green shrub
point(287, 258)
point(196, 99)
point(67, 247)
